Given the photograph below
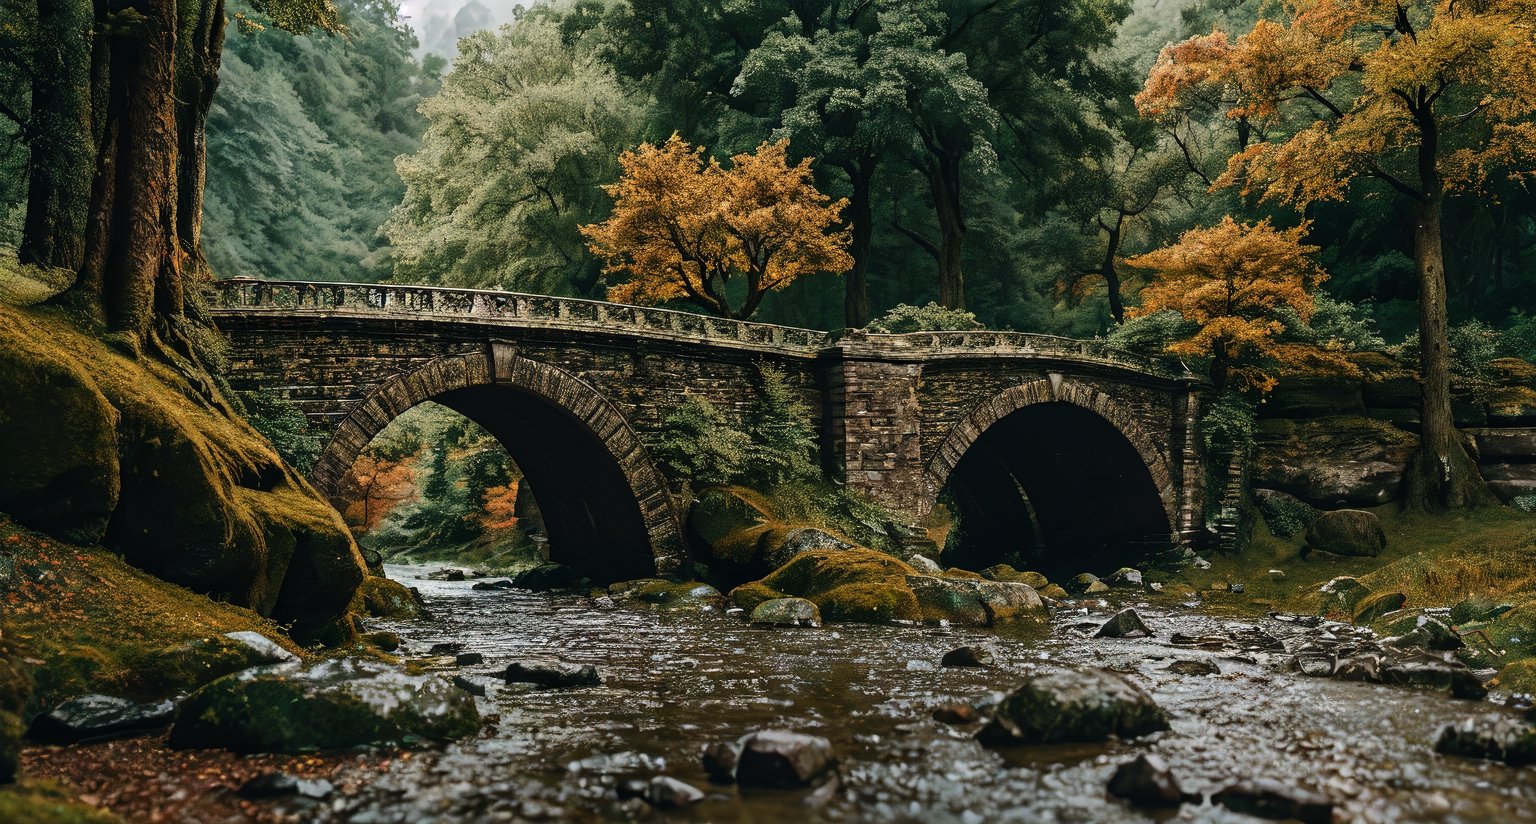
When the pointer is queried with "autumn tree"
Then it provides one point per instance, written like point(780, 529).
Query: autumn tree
point(1427, 98)
point(376, 486)
point(1231, 281)
point(686, 228)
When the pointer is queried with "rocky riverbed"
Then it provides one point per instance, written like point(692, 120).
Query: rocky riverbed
point(675, 682)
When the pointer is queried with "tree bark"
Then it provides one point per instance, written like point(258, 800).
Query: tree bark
point(855, 284)
point(1107, 268)
point(944, 182)
point(58, 136)
point(1442, 475)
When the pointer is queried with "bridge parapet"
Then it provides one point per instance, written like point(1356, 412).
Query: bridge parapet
point(514, 308)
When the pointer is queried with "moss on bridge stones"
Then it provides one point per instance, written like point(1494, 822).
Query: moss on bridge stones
point(139, 452)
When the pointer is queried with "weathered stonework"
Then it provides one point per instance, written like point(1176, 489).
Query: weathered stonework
point(896, 412)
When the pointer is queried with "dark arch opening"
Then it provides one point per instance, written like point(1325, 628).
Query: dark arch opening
point(1056, 488)
point(591, 517)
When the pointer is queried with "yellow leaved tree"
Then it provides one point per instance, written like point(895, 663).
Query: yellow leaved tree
point(1429, 97)
point(686, 228)
point(1231, 281)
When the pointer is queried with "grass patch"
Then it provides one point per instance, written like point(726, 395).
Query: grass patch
point(42, 802)
point(100, 625)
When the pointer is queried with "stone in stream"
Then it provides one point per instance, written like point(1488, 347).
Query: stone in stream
point(957, 712)
point(279, 784)
point(1314, 663)
point(1009, 604)
point(779, 758)
point(1193, 666)
point(787, 612)
point(551, 675)
point(1009, 575)
point(445, 648)
point(546, 577)
point(1124, 624)
point(1264, 798)
point(485, 586)
point(1147, 782)
point(1427, 672)
point(1086, 584)
point(468, 659)
point(98, 716)
point(262, 650)
point(471, 687)
point(332, 705)
point(1071, 705)
point(1124, 577)
point(720, 761)
point(668, 793)
point(1494, 737)
point(966, 656)
point(447, 575)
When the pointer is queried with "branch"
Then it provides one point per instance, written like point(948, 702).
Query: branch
point(1318, 96)
point(913, 235)
point(1395, 182)
point(1189, 159)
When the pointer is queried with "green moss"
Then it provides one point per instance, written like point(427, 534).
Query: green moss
point(380, 597)
point(1519, 676)
point(849, 585)
point(748, 596)
point(1515, 630)
point(45, 803)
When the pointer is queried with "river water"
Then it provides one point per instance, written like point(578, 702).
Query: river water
point(678, 681)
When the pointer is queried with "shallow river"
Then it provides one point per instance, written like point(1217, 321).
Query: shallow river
point(675, 682)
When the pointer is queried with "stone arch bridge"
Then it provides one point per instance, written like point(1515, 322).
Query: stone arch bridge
point(1045, 446)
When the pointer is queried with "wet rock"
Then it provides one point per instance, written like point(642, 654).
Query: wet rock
point(720, 761)
point(779, 758)
point(99, 716)
point(1124, 624)
point(1373, 607)
point(691, 596)
point(1347, 532)
point(1194, 666)
point(493, 586)
point(787, 612)
point(551, 675)
point(1124, 578)
point(383, 598)
point(1362, 667)
point(668, 793)
point(546, 578)
point(966, 656)
point(446, 574)
point(631, 788)
point(1053, 591)
point(1146, 782)
point(383, 640)
point(1494, 737)
point(947, 599)
point(1086, 584)
point(1434, 675)
point(925, 565)
point(859, 585)
point(445, 648)
point(1009, 603)
point(468, 659)
point(335, 704)
point(1264, 798)
point(1423, 632)
point(1074, 705)
point(1007, 574)
point(281, 784)
point(471, 687)
point(957, 712)
point(261, 650)
point(1315, 663)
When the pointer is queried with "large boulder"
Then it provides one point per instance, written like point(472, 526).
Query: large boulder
point(691, 596)
point(98, 716)
point(1347, 532)
point(383, 598)
point(1333, 462)
point(1070, 705)
point(859, 585)
point(779, 758)
point(787, 612)
point(333, 705)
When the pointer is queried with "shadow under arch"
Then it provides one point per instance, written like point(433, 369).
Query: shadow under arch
point(1055, 476)
point(605, 505)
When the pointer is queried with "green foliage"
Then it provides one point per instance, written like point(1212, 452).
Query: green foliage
point(698, 445)
point(527, 126)
point(281, 422)
point(1524, 503)
point(1285, 515)
point(1334, 324)
point(1518, 340)
point(1473, 344)
point(1226, 424)
point(1150, 334)
point(783, 438)
point(930, 317)
point(302, 139)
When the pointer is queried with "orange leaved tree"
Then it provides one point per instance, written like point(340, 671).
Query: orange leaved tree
point(1429, 97)
point(686, 228)
point(1230, 281)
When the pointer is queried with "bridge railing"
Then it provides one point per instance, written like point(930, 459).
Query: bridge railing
point(248, 294)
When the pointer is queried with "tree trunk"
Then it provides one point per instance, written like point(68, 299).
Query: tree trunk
point(1442, 475)
point(198, 79)
point(59, 137)
point(1107, 268)
point(944, 182)
point(855, 285)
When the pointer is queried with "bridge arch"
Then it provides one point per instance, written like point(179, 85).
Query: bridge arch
point(1055, 474)
point(605, 505)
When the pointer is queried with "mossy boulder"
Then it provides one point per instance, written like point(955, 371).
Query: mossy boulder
point(948, 600)
point(110, 436)
point(382, 598)
point(333, 705)
point(1006, 573)
point(786, 612)
point(690, 596)
point(1070, 705)
point(191, 664)
point(859, 585)
point(1353, 532)
point(1334, 461)
point(1519, 676)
